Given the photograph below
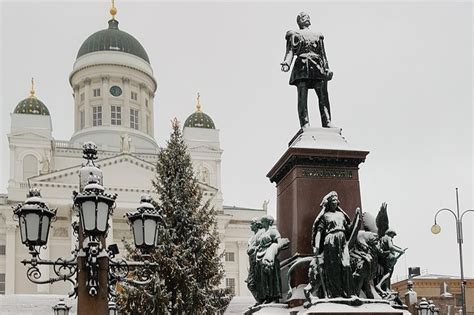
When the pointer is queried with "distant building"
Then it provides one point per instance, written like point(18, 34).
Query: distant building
point(445, 291)
point(113, 105)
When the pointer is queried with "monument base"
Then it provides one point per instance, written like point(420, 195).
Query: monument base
point(318, 161)
point(271, 308)
point(338, 306)
point(353, 306)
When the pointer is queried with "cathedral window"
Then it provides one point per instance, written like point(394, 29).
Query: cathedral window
point(116, 115)
point(97, 116)
point(229, 256)
point(30, 166)
point(83, 119)
point(134, 96)
point(133, 118)
point(2, 283)
point(96, 92)
point(230, 284)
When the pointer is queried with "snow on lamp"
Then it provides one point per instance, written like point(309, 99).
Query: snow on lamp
point(145, 224)
point(94, 208)
point(34, 218)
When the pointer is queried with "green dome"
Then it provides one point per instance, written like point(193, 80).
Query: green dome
point(32, 106)
point(113, 39)
point(199, 120)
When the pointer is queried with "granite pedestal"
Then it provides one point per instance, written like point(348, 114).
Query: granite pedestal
point(318, 160)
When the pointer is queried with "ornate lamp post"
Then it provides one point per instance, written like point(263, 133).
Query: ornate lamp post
point(435, 229)
point(61, 308)
point(92, 268)
point(144, 223)
point(35, 219)
point(423, 307)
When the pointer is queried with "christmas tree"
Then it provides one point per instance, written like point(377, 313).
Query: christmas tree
point(189, 268)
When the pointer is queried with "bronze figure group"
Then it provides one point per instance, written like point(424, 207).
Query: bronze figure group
point(347, 261)
point(264, 280)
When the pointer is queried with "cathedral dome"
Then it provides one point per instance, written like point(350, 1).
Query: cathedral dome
point(113, 39)
point(198, 119)
point(31, 105)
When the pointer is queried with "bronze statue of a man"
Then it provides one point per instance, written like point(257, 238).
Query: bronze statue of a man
point(311, 69)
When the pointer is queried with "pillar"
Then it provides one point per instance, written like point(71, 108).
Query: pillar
point(143, 109)
point(77, 103)
point(87, 107)
point(105, 101)
point(10, 258)
point(126, 102)
point(152, 117)
point(243, 268)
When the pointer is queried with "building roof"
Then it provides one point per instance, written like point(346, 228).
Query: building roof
point(31, 105)
point(113, 39)
point(199, 119)
point(437, 276)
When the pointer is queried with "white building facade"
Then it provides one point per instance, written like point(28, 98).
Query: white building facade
point(113, 88)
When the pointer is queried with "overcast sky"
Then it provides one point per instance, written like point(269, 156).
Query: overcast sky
point(402, 89)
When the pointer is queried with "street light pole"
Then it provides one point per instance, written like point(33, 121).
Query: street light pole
point(93, 269)
point(435, 229)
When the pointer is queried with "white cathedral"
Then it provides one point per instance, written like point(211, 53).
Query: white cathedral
point(114, 87)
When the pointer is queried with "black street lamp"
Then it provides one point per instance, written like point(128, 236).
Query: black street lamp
point(435, 229)
point(145, 224)
point(61, 308)
point(34, 218)
point(92, 265)
point(423, 308)
point(95, 207)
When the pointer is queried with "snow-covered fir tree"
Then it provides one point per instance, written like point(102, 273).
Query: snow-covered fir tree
point(189, 268)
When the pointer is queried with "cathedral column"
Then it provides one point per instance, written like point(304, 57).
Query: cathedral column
point(13, 175)
point(151, 97)
point(220, 251)
point(243, 259)
point(126, 102)
point(218, 174)
point(105, 101)
point(87, 107)
point(10, 259)
point(77, 103)
point(143, 109)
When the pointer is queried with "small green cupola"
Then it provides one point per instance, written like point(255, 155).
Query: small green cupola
point(199, 119)
point(31, 105)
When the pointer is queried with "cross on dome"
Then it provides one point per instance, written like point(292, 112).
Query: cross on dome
point(113, 10)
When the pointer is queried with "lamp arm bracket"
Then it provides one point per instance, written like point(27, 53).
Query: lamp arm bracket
point(446, 209)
